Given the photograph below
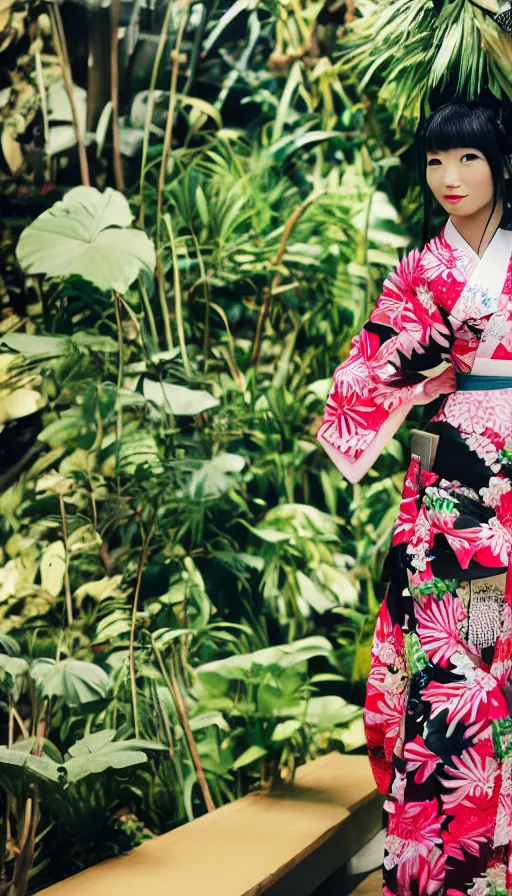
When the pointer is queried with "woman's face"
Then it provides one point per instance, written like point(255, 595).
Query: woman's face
point(461, 180)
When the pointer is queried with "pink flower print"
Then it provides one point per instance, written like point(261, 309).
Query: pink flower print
point(475, 697)
point(419, 757)
point(437, 627)
point(388, 712)
point(419, 823)
point(498, 540)
point(431, 871)
point(413, 831)
point(470, 827)
point(471, 781)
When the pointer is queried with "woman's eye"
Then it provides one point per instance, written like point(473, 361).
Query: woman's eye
point(470, 156)
point(432, 162)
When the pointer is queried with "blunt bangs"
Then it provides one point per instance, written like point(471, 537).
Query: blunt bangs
point(459, 126)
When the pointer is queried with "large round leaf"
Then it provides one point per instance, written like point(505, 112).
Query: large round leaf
point(76, 681)
point(87, 233)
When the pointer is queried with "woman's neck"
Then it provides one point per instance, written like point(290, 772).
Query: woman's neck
point(472, 227)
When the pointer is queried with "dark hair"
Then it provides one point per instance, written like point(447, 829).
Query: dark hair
point(468, 123)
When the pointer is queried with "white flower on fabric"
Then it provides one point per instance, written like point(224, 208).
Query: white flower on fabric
point(497, 487)
point(462, 665)
point(426, 297)
point(498, 539)
point(481, 887)
point(398, 850)
point(498, 876)
point(434, 493)
point(398, 788)
point(385, 651)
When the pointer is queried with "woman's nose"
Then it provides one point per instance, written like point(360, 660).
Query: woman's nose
point(451, 177)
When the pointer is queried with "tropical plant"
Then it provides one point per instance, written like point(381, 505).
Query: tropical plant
point(413, 49)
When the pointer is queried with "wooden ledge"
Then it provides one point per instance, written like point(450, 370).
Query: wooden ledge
point(285, 842)
point(370, 886)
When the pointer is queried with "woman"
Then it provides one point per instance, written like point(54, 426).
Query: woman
point(437, 713)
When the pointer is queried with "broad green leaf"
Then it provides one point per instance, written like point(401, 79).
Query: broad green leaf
point(81, 766)
point(164, 636)
point(314, 595)
point(87, 233)
point(99, 751)
point(182, 401)
point(19, 403)
point(267, 533)
point(283, 656)
point(40, 744)
point(53, 568)
point(327, 712)
point(108, 586)
point(65, 429)
point(76, 681)
point(352, 736)
point(11, 667)
point(207, 719)
point(248, 756)
point(38, 768)
point(212, 479)
point(30, 345)
point(285, 730)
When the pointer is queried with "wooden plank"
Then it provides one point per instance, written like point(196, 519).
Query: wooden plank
point(370, 886)
point(246, 847)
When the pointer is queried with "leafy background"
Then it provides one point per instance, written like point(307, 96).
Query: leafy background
point(194, 227)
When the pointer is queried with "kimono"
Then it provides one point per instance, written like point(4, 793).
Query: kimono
point(438, 706)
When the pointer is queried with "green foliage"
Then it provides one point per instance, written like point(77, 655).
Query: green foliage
point(88, 233)
point(414, 48)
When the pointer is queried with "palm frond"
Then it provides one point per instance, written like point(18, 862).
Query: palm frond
point(411, 51)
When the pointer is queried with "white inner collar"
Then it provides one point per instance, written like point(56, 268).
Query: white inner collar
point(458, 242)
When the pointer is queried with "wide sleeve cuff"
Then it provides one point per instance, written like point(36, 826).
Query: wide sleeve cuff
point(354, 470)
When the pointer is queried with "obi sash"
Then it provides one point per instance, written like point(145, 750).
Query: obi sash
point(468, 382)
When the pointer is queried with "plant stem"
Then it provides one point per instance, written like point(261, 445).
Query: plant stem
point(174, 689)
point(62, 53)
point(151, 105)
point(67, 586)
point(169, 125)
point(163, 301)
point(206, 294)
point(114, 92)
point(269, 292)
point(149, 313)
point(142, 562)
point(177, 297)
point(120, 377)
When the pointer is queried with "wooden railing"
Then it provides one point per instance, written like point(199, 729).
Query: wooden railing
point(293, 842)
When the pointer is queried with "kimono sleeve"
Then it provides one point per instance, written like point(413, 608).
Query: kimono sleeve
point(384, 708)
point(400, 358)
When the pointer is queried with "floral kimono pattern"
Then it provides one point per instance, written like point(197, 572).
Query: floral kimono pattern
point(437, 714)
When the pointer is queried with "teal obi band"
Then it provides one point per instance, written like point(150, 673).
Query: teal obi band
point(467, 382)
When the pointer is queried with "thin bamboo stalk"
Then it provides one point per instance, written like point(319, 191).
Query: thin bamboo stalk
point(114, 93)
point(62, 53)
point(131, 654)
point(178, 305)
point(174, 689)
point(67, 586)
point(169, 125)
point(151, 105)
